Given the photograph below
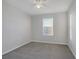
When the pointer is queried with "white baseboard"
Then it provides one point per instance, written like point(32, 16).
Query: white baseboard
point(57, 43)
point(50, 42)
point(40, 42)
point(15, 48)
point(72, 51)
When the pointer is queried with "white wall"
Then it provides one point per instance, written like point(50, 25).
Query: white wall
point(60, 29)
point(16, 28)
point(72, 40)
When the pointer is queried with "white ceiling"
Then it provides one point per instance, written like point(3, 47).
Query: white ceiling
point(52, 6)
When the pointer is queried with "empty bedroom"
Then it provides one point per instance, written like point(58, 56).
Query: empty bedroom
point(38, 29)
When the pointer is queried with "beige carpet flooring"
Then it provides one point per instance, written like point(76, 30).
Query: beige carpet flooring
point(40, 51)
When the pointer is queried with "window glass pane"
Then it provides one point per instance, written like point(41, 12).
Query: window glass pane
point(48, 21)
point(70, 27)
point(48, 26)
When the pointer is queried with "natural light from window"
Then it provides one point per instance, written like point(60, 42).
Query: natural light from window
point(70, 27)
point(48, 26)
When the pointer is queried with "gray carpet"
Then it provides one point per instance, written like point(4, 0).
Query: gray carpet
point(40, 51)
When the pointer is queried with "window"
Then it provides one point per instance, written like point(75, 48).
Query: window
point(48, 26)
point(70, 27)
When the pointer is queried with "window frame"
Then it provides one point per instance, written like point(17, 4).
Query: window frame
point(48, 26)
